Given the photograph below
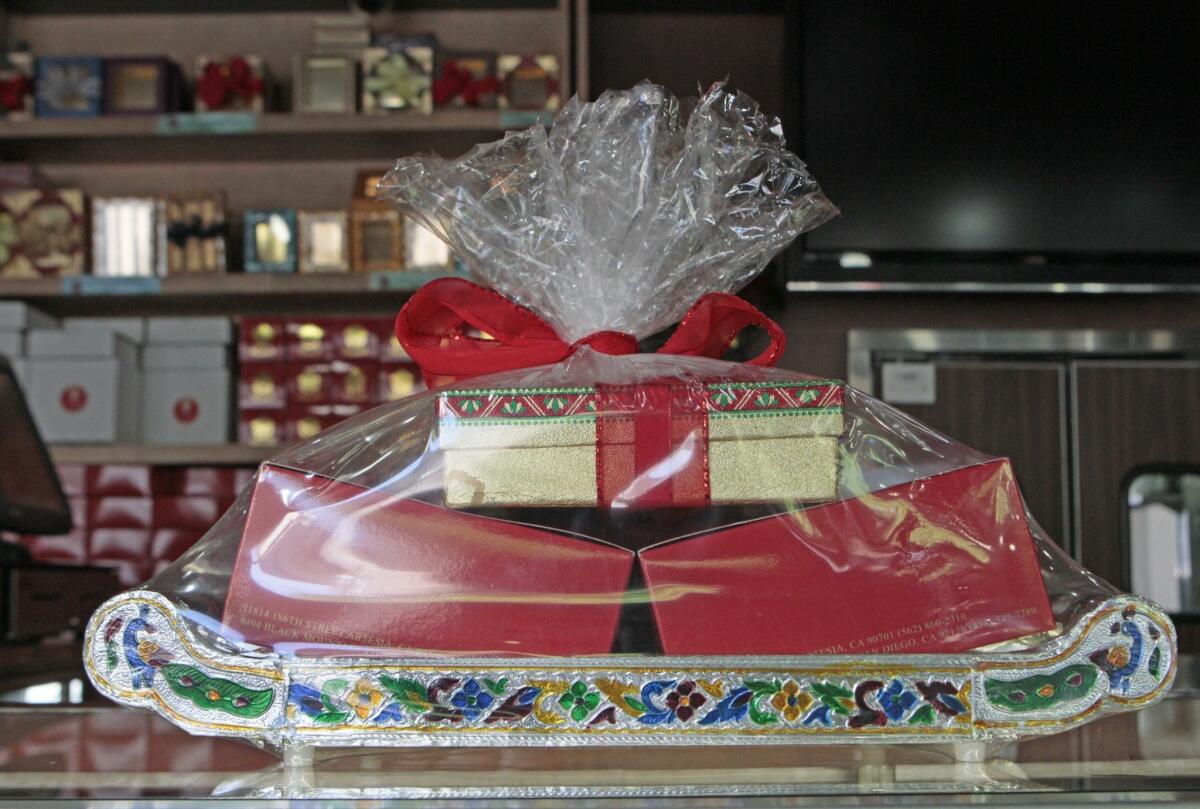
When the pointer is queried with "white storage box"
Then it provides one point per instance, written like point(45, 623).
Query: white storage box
point(217, 330)
point(83, 386)
point(16, 316)
point(12, 344)
point(131, 328)
point(186, 394)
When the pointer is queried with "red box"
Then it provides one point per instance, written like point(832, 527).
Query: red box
point(397, 380)
point(263, 384)
point(336, 382)
point(943, 564)
point(261, 338)
point(194, 512)
point(310, 383)
point(305, 421)
point(215, 481)
point(120, 512)
point(327, 562)
point(310, 340)
point(73, 478)
point(355, 338)
point(262, 428)
point(70, 547)
point(168, 544)
point(118, 544)
point(109, 480)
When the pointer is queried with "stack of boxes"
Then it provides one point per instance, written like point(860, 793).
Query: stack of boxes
point(187, 383)
point(16, 320)
point(301, 376)
point(137, 519)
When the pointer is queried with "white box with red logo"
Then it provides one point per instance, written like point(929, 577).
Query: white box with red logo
point(83, 386)
point(186, 394)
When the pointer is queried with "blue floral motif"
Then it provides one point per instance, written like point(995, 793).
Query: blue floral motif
point(390, 713)
point(472, 699)
point(655, 713)
point(306, 699)
point(819, 715)
point(896, 700)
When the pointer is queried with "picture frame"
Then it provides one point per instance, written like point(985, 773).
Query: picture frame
point(16, 86)
point(529, 82)
point(195, 233)
point(69, 87)
point(324, 241)
point(127, 238)
point(47, 234)
point(397, 80)
point(269, 240)
point(231, 83)
point(376, 237)
point(325, 83)
point(142, 86)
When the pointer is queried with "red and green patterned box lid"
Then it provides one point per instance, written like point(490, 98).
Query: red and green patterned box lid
point(721, 400)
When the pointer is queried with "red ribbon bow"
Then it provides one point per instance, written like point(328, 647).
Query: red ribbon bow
point(455, 329)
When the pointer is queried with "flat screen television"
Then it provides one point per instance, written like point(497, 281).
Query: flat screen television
point(1002, 142)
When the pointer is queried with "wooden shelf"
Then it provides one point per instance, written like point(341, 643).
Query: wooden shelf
point(229, 293)
point(248, 125)
point(162, 454)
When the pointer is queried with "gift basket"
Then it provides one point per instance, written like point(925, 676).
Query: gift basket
point(567, 542)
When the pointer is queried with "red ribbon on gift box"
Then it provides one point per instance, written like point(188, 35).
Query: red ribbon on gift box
point(455, 329)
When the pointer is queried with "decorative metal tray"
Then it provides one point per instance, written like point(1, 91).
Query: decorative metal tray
point(141, 652)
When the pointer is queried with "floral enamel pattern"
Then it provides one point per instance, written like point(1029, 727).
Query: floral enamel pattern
point(139, 652)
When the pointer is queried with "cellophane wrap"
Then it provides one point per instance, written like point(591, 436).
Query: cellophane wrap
point(644, 505)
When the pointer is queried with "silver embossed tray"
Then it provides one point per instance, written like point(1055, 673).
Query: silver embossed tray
point(141, 652)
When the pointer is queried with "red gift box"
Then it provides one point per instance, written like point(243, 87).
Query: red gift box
point(263, 384)
point(120, 512)
point(112, 480)
point(943, 564)
point(261, 338)
point(336, 382)
point(215, 481)
point(310, 340)
point(397, 380)
point(71, 547)
point(262, 428)
point(327, 562)
point(305, 421)
point(118, 544)
point(354, 339)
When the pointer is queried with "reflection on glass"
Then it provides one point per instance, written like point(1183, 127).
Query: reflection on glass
point(1164, 537)
point(271, 240)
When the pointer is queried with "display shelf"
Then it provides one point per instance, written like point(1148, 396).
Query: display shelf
point(248, 124)
point(228, 293)
point(162, 454)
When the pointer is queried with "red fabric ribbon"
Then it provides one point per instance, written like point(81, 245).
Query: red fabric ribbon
point(455, 329)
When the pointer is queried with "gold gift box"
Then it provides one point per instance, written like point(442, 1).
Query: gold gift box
point(764, 442)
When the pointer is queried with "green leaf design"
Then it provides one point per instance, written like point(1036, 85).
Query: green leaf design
point(111, 656)
point(922, 716)
point(409, 693)
point(513, 407)
point(723, 398)
point(759, 715)
point(636, 704)
point(766, 400)
point(765, 688)
point(806, 395)
point(496, 686)
point(216, 693)
point(1042, 690)
point(839, 698)
point(331, 717)
point(554, 403)
point(470, 406)
point(1155, 664)
point(333, 687)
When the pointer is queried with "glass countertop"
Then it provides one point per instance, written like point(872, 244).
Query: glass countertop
point(91, 753)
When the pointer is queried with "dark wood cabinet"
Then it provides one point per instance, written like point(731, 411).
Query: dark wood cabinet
point(1127, 415)
point(1011, 409)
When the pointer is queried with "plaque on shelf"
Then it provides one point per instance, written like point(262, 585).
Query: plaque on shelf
point(142, 85)
point(466, 79)
point(325, 83)
point(397, 80)
point(230, 83)
point(376, 237)
point(69, 86)
point(42, 232)
point(324, 241)
point(528, 82)
point(128, 238)
point(195, 233)
point(269, 240)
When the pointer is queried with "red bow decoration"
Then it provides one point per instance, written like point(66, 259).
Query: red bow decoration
point(455, 329)
point(13, 92)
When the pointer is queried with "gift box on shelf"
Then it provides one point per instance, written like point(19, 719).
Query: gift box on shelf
point(83, 385)
point(128, 236)
point(186, 396)
point(142, 85)
point(263, 385)
point(262, 427)
point(69, 86)
point(261, 338)
point(305, 421)
point(195, 233)
point(16, 86)
point(230, 83)
point(725, 442)
point(44, 232)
